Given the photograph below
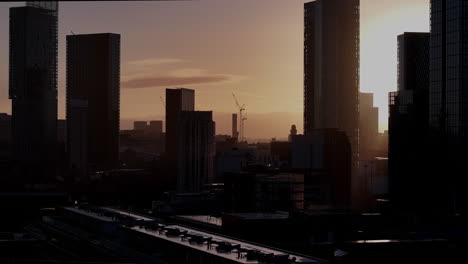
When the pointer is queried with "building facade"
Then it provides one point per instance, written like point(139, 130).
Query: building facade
point(177, 100)
point(195, 150)
point(331, 72)
point(33, 86)
point(409, 125)
point(5, 128)
point(448, 99)
point(449, 68)
point(263, 191)
point(155, 127)
point(368, 126)
point(93, 97)
point(325, 158)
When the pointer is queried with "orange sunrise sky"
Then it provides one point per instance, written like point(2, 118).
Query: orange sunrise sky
point(253, 48)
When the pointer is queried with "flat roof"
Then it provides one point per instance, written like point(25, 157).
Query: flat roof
point(206, 219)
point(260, 216)
point(211, 248)
point(210, 243)
point(126, 213)
point(90, 214)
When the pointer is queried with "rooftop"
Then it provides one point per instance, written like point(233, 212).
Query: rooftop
point(259, 216)
point(107, 214)
point(235, 250)
point(206, 219)
point(221, 246)
point(126, 213)
point(91, 213)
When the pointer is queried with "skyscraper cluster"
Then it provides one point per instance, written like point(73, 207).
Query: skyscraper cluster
point(93, 96)
point(331, 187)
point(92, 107)
point(427, 125)
point(428, 115)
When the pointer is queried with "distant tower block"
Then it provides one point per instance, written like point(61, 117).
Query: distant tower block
point(140, 125)
point(156, 127)
point(235, 132)
point(293, 132)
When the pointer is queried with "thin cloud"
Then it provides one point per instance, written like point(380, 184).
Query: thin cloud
point(165, 81)
point(141, 74)
point(154, 61)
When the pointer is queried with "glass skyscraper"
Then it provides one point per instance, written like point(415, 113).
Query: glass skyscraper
point(408, 126)
point(448, 100)
point(449, 69)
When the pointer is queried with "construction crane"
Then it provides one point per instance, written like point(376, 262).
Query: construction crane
point(242, 118)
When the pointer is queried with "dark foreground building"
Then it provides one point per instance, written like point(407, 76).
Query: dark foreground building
point(448, 102)
point(263, 191)
point(325, 158)
point(33, 87)
point(331, 72)
point(408, 125)
point(140, 239)
point(93, 101)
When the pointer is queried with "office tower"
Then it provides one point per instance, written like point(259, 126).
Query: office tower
point(5, 128)
point(409, 124)
point(62, 164)
point(61, 131)
point(235, 132)
point(93, 96)
point(5, 136)
point(177, 100)
point(195, 150)
point(33, 86)
point(325, 156)
point(140, 125)
point(368, 126)
point(331, 72)
point(263, 191)
point(449, 68)
point(77, 138)
point(155, 127)
point(448, 97)
point(281, 153)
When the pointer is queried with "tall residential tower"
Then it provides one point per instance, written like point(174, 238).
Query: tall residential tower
point(408, 126)
point(33, 86)
point(331, 72)
point(93, 100)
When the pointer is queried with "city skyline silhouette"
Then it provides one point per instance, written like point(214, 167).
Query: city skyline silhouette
point(151, 65)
